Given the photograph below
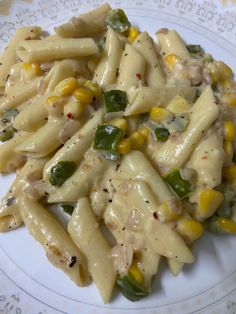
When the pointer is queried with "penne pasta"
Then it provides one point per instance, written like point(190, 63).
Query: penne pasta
point(85, 25)
point(171, 43)
point(80, 183)
point(175, 152)
point(106, 71)
point(84, 230)
point(131, 70)
point(45, 140)
point(8, 57)
point(10, 160)
point(147, 97)
point(154, 74)
point(77, 145)
point(60, 249)
point(43, 51)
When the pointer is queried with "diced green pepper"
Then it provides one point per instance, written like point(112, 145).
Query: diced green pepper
point(130, 288)
point(101, 43)
point(213, 226)
point(162, 134)
point(179, 185)
point(225, 208)
point(143, 117)
point(194, 50)
point(61, 172)
point(107, 137)
point(111, 156)
point(115, 100)
point(68, 208)
point(179, 123)
point(117, 20)
point(9, 115)
point(7, 133)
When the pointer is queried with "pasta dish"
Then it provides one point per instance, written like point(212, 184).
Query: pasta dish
point(133, 138)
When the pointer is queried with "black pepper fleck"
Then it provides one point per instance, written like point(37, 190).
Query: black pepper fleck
point(73, 261)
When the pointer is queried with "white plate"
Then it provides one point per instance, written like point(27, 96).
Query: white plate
point(28, 283)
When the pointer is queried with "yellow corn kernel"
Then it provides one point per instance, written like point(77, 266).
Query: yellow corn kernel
point(133, 33)
point(31, 69)
point(178, 105)
point(229, 173)
point(67, 86)
point(137, 140)
point(189, 229)
point(136, 273)
point(171, 61)
point(209, 201)
point(214, 72)
point(227, 225)
point(83, 95)
point(227, 84)
point(94, 87)
point(120, 123)
point(229, 130)
point(229, 99)
point(73, 109)
point(124, 146)
point(224, 69)
point(51, 100)
point(228, 149)
point(169, 210)
point(144, 131)
point(159, 114)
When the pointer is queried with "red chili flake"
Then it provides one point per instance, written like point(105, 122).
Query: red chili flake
point(204, 157)
point(138, 75)
point(155, 215)
point(69, 115)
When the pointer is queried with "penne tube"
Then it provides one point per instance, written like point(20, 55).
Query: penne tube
point(106, 71)
point(21, 95)
point(131, 70)
point(162, 237)
point(176, 150)
point(175, 267)
point(171, 43)
point(207, 159)
point(32, 117)
point(154, 74)
point(139, 168)
point(147, 97)
point(45, 140)
point(77, 145)
point(85, 25)
point(10, 160)
point(116, 218)
point(63, 69)
point(60, 249)
point(80, 183)
point(8, 57)
point(45, 50)
point(84, 230)
point(10, 217)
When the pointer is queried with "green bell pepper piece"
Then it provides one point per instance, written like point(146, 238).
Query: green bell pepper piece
point(179, 185)
point(117, 20)
point(61, 172)
point(115, 100)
